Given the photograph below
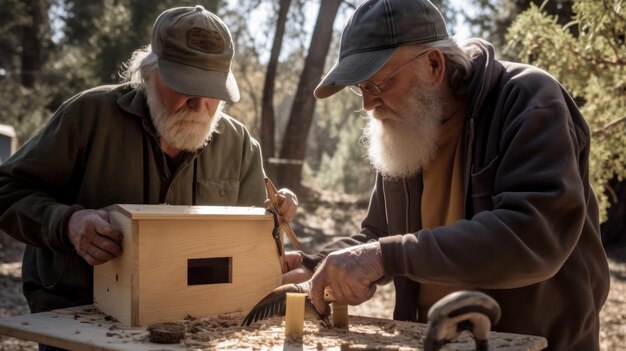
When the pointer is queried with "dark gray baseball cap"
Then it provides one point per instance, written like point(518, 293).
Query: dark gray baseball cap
point(373, 33)
point(195, 51)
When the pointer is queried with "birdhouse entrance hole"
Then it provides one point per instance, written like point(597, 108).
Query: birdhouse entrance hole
point(215, 270)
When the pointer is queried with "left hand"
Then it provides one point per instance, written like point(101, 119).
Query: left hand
point(287, 204)
point(295, 271)
point(351, 273)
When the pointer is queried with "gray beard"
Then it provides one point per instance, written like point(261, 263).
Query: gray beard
point(401, 144)
point(185, 130)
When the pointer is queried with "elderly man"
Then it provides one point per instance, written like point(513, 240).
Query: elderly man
point(482, 181)
point(160, 138)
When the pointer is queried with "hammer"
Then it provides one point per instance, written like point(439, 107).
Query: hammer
point(459, 311)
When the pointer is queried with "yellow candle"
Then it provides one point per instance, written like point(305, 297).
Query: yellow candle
point(294, 315)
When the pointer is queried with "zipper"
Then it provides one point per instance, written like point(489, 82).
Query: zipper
point(407, 198)
point(468, 162)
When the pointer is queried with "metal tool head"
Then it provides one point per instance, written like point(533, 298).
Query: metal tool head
point(274, 304)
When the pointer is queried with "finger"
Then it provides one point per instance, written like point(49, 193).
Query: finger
point(293, 259)
point(103, 227)
point(288, 211)
point(114, 248)
point(359, 291)
point(90, 259)
point(340, 288)
point(318, 283)
point(99, 254)
point(297, 275)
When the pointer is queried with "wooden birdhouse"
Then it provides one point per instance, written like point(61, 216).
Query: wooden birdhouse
point(187, 260)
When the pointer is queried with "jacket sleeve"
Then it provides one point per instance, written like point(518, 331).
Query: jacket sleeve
point(536, 190)
point(36, 194)
point(252, 184)
point(373, 227)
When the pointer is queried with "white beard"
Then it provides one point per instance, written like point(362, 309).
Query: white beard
point(185, 130)
point(400, 144)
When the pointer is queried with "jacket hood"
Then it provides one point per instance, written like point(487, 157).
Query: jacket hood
point(486, 73)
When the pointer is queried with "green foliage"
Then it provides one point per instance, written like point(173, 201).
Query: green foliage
point(592, 66)
point(490, 19)
point(23, 108)
point(10, 25)
point(342, 165)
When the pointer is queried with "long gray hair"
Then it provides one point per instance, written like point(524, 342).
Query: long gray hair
point(140, 67)
point(458, 63)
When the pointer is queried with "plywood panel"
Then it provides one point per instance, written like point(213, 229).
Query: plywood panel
point(83, 328)
point(166, 246)
point(233, 213)
point(148, 283)
point(113, 280)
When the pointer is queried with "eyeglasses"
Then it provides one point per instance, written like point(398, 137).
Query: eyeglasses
point(377, 89)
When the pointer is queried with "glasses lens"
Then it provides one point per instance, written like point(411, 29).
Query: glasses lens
point(355, 89)
point(370, 88)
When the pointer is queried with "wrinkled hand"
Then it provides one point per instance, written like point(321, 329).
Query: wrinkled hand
point(93, 237)
point(296, 272)
point(350, 272)
point(287, 204)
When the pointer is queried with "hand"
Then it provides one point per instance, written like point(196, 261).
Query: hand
point(93, 237)
point(287, 204)
point(350, 272)
point(295, 271)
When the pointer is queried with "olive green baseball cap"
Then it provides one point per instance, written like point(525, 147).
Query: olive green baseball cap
point(373, 33)
point(195, 51)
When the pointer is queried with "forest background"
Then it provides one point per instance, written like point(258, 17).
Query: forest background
point(52, 49)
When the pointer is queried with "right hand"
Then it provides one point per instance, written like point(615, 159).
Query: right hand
point(93, 237)
point(351, 273)
point(295, 272)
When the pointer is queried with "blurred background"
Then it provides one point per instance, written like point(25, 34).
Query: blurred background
point(52, 49)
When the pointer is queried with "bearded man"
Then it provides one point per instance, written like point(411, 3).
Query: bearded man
point(159, 138)
point(482, 181)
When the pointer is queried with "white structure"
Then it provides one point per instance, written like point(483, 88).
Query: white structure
point(8, 141)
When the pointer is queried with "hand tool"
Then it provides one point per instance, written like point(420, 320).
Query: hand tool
point(274, 304)
point(462, 310)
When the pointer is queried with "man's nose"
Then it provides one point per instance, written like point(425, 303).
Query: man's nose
point(198, 103)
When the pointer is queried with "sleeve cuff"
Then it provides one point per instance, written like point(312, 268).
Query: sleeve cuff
point(392, 255)
point(59, 228)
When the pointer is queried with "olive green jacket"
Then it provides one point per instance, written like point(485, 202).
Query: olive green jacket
point(97, 150)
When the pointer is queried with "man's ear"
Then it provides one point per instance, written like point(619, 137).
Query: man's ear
point(437, 66)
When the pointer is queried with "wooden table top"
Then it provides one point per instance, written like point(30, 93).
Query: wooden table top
point(85, 328)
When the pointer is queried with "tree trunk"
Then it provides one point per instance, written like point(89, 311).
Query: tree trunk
point(268, 140)
point(293, 148)
point(614, 228)
point(34, 35)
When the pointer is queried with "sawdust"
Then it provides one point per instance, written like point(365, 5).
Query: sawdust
point(322, 224)
point(224, 332)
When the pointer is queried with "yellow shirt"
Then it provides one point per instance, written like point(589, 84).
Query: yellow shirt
point(442, 198)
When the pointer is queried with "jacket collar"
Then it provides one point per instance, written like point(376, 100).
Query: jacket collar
point(486, 74)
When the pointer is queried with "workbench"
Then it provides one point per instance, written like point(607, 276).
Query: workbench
point(85, 328)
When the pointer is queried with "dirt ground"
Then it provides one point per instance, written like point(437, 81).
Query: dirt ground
point(317, 223)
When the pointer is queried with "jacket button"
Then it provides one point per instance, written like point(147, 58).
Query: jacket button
point(222, 192)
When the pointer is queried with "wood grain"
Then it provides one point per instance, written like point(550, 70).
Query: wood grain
point(84, 328)
point(148, 282)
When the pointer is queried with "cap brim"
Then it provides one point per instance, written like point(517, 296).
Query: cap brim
point(193, 81)
point(351, 70)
